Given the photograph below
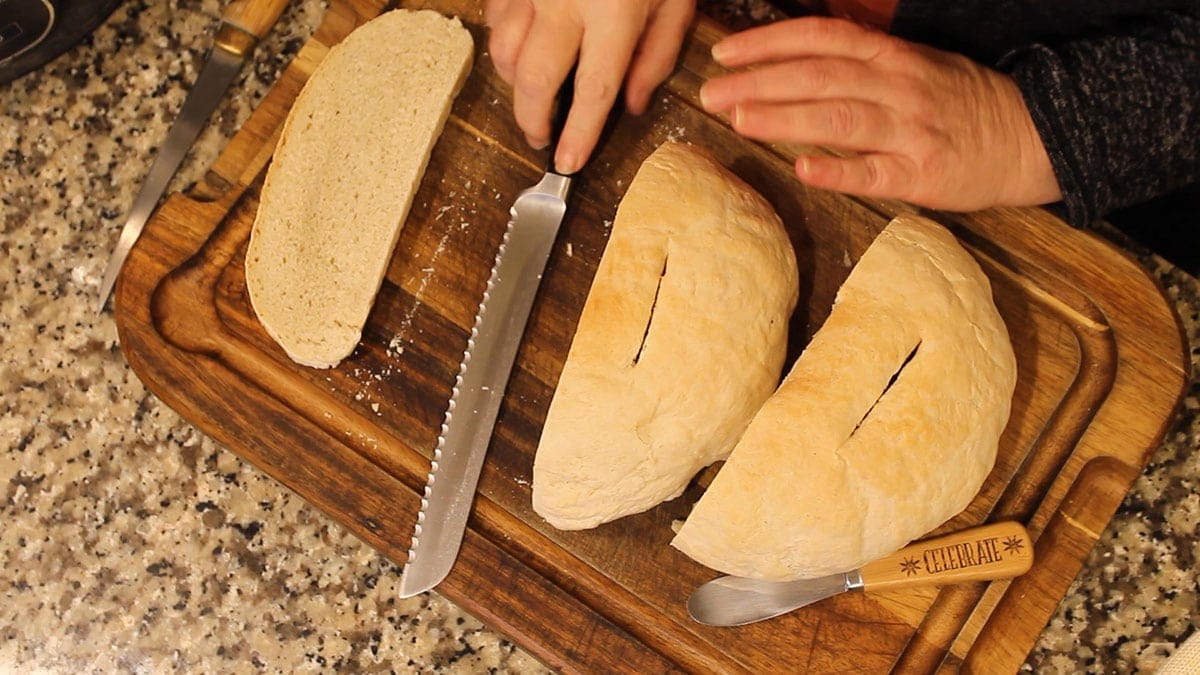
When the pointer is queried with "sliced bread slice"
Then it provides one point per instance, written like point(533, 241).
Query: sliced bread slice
point(349, 161)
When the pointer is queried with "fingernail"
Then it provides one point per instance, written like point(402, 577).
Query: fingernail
point(705, 96)
point(721, 51)
point(536, 144)
point(802, 166)
point(735, 117)
point(566, 163)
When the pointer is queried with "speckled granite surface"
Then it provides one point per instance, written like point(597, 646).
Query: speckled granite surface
point(130, 542)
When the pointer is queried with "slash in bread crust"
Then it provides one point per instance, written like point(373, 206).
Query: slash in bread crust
point(682, 337)
point(886, 426)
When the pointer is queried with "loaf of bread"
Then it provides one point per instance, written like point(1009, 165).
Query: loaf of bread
point(885, 428)
point(350, 159)
point(681, 338)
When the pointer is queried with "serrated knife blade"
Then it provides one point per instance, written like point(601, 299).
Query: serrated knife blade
point(483, 376)
point(487, 362)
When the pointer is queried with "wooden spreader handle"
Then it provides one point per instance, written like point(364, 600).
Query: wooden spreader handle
point(997, 551)
point(254, 16)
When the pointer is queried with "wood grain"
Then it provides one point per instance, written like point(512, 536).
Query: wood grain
point(1100, 359)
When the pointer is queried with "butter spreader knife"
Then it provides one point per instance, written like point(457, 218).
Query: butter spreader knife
point(243, 24)
point(997, 551)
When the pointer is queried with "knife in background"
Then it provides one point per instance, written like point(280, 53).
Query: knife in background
point(243, 24)
point(998, 551)
point(483, 375)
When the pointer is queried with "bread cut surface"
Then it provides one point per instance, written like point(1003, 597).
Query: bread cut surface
point(350, 159)
point(842, 465)
point(681, 338)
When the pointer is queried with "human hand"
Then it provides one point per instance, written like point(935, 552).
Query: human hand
point(534, 44)
point(925, 126)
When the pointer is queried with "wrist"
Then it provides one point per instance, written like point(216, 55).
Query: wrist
point(1033, 181)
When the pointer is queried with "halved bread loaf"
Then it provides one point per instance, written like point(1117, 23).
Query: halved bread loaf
point(681, 339)
point(350, 158)
point(885, 427)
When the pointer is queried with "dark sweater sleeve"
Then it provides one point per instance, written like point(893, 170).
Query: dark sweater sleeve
point(1115, 96)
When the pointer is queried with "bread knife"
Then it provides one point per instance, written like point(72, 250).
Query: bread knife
point(483, 375)
point(997, 551)
point(243, 24)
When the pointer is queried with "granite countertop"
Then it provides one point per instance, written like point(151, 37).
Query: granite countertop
point(131, 542)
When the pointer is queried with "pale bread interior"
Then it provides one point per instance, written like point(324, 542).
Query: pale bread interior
point(350, 159)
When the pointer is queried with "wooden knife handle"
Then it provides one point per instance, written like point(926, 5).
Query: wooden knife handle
point(254, 16)
point(998, 551)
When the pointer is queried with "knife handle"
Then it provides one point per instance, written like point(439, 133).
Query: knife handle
point(998, 551)
point(558, 117)
point(254, 16)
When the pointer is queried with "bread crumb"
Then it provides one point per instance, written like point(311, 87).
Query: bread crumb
point(570, 250)
point(375, 407)
point(676, 134)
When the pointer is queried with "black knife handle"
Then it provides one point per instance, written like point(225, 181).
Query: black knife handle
point(562, 106)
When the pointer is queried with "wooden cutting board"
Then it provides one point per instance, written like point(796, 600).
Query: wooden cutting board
point(1099, 350)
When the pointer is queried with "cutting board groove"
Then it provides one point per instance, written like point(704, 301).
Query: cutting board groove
point(1100, 359)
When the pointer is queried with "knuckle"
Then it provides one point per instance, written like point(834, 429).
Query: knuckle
point(841, 118)
point(896, 52)
point(918, 100)
point(932, 165)
point(594, 89)
point(503, 51)
point(924, 111)
point(535, 82)
point(813, 76)
point(823, 28)
point(873, 175)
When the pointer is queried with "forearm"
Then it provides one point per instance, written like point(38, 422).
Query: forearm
point(1119, 118)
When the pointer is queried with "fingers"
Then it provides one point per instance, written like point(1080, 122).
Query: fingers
point(871, 175)
point(796, 80)
point(534, 45)
point(508, 23)
point(494, 10)
point(796, 38)
point(604, 55)
point(657, 52)
point(549, 51)
point(840, 123)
